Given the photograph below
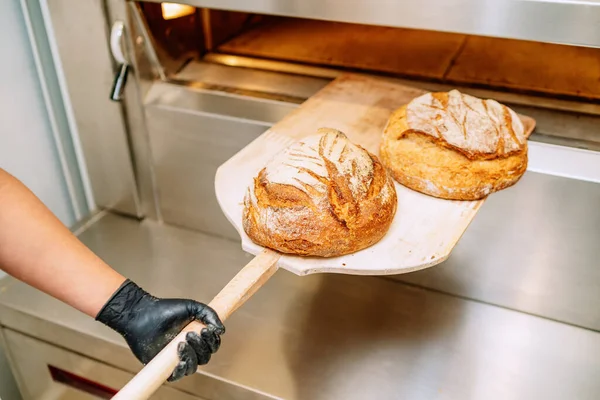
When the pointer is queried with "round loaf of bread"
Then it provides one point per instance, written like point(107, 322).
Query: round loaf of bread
point(322, 196)
point(455, 146)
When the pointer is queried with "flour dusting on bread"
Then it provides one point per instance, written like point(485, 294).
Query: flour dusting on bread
point(478, 128)
point(306, 163)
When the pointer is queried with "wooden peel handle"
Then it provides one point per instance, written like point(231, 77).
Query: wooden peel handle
point(237, 291)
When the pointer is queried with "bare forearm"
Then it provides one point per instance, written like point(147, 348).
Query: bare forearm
point(38, 249)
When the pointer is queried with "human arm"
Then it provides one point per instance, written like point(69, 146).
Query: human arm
point(36, 248)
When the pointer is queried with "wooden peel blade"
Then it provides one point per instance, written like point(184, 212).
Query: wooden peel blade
point(251, 278)
point(425, 229)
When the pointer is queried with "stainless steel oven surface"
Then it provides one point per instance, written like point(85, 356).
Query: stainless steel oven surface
point(50, 372)
point(164, 93)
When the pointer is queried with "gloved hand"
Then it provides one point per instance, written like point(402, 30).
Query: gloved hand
point(148, 324)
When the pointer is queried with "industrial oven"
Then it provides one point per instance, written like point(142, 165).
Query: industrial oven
point(161, 94)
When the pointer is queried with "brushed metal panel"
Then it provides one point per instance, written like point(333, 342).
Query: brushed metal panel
point(85, 61)
point(219, 103)
point(187, 148)
point(330, 336)
point(32, 358)
point(554, 21)
point(534, 248)
point(9, 387)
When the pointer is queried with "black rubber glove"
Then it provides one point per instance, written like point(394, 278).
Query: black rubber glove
point(148, 324)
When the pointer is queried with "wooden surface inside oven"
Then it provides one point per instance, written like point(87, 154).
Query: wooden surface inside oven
point(516, 65)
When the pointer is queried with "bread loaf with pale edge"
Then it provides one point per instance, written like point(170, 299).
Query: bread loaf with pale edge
point(322, 196)
point(455, 146)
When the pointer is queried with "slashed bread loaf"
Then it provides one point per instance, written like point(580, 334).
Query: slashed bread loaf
point(455, 146)
point(322, 196)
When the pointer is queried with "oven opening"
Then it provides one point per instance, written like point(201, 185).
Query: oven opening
point(308, 47)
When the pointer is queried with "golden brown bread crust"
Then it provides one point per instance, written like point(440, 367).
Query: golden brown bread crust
point(430, 165)
point(322, 196)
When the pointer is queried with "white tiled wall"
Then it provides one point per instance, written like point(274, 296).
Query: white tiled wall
point(27, 148)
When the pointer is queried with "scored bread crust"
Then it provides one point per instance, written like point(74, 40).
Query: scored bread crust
point(468, 167)
point(323, 196)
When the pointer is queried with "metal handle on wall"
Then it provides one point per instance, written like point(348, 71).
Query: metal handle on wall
point(116, 35)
